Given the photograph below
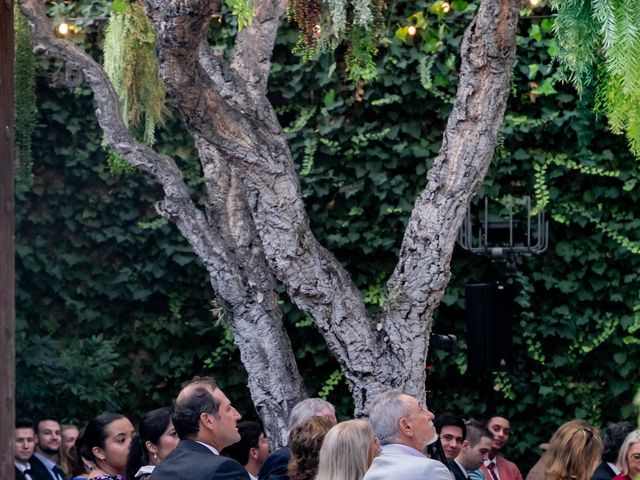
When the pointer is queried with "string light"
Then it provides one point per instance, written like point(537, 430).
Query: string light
point(446, 6)
point(317, 29)
point(63, 28)
point(412, 30)
point(535, 3)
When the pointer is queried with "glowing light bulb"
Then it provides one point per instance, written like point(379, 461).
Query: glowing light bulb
point(412, 30)
point(446, 7)
point(535, 3)
point(63, 28)
point(317, 29)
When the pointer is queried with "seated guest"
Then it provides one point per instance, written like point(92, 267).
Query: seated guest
point(252, 450)
point(305, 441)
point(69, 435)
point(404, 429)
point(44, 463)
point(155, 440)
point(206, 422)
point(275, 468)
point(629, 457)
point(25, 446)
point(347, 451)
point(496, 467)
point(452, 432)
point(574, 451)
point(613, 437)
point(105, 443)
point(475, 450)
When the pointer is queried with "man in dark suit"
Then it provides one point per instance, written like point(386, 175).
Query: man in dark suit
point(475, 450)
point(48, 442)
point(614, 435)
point(206, 422)
point(25, 446)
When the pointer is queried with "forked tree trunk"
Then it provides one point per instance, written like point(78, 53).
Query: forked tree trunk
point(255, 231)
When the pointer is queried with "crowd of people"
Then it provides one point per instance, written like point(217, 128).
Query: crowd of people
point(202, 438)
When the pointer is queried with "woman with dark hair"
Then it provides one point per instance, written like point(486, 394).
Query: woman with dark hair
point(155, 440)
point(306, 440)
point(105, 444)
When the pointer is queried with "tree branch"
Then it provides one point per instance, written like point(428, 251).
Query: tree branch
point(422, 273)
point(254, 144)
point(253, 49)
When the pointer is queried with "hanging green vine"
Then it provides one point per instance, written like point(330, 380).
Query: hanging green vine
point(325, 24)
point(599, 44)
point(130, 62)
point(24, 99)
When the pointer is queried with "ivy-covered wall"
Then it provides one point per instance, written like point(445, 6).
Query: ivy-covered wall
point(114, 311)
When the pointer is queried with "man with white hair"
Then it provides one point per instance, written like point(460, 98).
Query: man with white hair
point(404, 428)
point(275, 468)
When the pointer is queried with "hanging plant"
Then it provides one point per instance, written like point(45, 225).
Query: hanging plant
point(130, 62)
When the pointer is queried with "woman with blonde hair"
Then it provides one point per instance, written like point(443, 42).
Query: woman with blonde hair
point(347, 451)
point(574, 451)
point(629, 457)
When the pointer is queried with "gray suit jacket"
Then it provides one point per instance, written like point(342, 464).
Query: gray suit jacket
point(399, 462)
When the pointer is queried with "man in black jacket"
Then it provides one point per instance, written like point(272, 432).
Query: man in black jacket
point(25, 446)
point(206, 422)
point(613, 437)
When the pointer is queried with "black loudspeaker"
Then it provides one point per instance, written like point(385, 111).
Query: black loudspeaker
point(489, 340)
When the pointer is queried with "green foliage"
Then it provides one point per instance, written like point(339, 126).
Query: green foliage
point(244, 10)
point(25, 98)
point(600, 40)
point(113, 309)
point(130, 62)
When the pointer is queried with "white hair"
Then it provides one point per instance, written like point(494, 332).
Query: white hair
point(307, 409)
point(385, 413)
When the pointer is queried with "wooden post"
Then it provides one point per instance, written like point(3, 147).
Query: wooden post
point(7, 246)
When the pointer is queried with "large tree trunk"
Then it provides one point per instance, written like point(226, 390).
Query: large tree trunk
point(255, 230)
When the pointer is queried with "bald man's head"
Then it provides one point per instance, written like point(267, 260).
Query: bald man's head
point(194, 399)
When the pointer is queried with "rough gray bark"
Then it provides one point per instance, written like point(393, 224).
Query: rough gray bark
point(255, 230)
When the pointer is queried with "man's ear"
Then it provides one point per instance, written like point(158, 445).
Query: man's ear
point(253, 453)
point(405, 427)
point(207, 420)
point(466, 445)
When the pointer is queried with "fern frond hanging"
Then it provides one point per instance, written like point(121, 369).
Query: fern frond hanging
point(130, 62)
point(578, 38)
point(600, 40)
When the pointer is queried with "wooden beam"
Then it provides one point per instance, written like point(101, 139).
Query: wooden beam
point(7, 246)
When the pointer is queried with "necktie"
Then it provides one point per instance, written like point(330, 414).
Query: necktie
point(492, 470)
point(27, 474)
point(59, 473)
